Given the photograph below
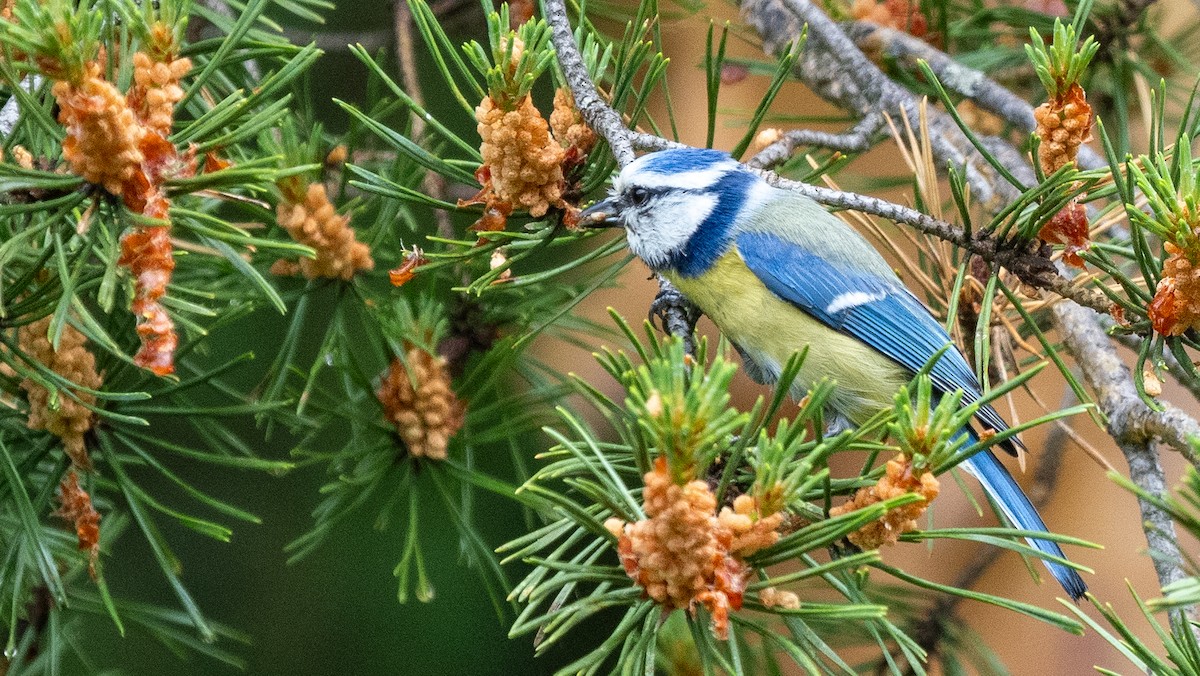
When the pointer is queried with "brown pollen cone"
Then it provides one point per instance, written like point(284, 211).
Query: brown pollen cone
point(76, 507)
point(684, 553)
point(74, 362)
point(524, 163)
point(1176, 305)
point(567, 123)
point(313, 221)
point(147, 252)
point(1063, 124)
point(417, 399)
point(156, 90)
point(898, 480)
point(102, 132)
point(1068, 227)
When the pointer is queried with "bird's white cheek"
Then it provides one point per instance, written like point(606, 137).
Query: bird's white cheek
point(644, 249)
point(664, 232)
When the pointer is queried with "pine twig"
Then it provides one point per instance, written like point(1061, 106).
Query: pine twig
point(1130, 420)
point(985, 92)
point(599, 115)
point(855, 140)
point(677, 314)
point(1133, 425)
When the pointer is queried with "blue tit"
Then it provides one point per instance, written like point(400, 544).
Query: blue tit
point(777, 273)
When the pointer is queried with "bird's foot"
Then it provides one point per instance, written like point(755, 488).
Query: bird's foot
point(676, 314)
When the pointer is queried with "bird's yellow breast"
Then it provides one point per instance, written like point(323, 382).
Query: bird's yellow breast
point(771, 329)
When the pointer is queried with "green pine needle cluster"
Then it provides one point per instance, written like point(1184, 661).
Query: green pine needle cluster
point(1060, 65)
point(515, 60)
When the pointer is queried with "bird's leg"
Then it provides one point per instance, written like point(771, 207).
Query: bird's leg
point(676, 314)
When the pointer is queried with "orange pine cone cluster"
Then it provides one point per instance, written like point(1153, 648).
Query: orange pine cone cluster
point(76, 507)
point(146, 251)
point(315, 223)
point(904, 15)
point(417, 398)
point(102, 131)
point(156, 90)
point(120, 142)
point(524, 163)
point(70, 420)
point(684, 553)
point(567, 123)
point(898, 480)
point(1176, 305)
point(1063, 124)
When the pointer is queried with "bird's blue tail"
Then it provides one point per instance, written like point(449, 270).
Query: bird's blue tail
point(1020, 513)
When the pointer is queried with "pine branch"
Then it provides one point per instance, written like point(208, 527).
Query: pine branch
point(857, 139)
point(1133, 425)
point(596, 112)
point(907, 50)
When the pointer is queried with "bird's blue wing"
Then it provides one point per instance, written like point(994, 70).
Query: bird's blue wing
point(878, 311)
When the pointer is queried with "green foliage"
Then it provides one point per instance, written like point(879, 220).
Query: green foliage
point(1172, 193)
point(1060, 65)
point(590, 479)
point(63, 32)
point(515, 60)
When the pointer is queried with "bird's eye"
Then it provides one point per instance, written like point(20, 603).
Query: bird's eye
point(638, 195)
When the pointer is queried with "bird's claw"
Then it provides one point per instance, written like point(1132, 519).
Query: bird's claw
point(675, 314)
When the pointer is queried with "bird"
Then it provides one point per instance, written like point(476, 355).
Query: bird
point(777, 273)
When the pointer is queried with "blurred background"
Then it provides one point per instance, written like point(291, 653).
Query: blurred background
point(336, 612)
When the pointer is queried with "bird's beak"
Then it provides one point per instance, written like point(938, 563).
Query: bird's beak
point(602, 214)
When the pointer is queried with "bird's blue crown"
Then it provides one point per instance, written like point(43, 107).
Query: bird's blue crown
point(679, 160)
